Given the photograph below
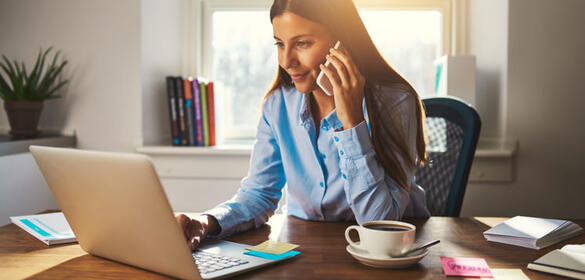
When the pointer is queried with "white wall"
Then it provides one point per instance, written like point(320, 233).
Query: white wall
point(488, 40)
point(162, 49)
point(543, 99)
point(23, 190)
point(101, 40)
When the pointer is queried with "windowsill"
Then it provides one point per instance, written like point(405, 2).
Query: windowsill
point(220, 150)
point(223, 162)
point(53, 139)
point(486, 148)
point(496, 148)
point(493, 161)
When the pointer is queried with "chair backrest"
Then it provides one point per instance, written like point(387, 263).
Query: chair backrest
point(452, 131)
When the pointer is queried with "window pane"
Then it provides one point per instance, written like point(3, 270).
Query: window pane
point(244, 58)
point(410, 41)
point(244, 65)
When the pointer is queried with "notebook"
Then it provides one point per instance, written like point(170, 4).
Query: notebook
point(568, 261)
point(51, 228)
point(118, 210)
point(531, 232)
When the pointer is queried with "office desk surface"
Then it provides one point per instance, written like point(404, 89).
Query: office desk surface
point(322, 245)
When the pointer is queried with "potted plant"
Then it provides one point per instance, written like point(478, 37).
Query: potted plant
point(24, 93)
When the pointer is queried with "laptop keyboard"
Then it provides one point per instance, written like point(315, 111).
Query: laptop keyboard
point(209, 262)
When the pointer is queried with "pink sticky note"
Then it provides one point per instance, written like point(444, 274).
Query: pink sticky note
point(468, 267)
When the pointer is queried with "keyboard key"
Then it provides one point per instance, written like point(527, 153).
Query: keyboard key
point(207, 262)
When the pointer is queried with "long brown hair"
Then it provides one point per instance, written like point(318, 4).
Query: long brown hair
point(341, 18)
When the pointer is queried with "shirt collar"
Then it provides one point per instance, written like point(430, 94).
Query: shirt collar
point(331, 119)
point(304, 109)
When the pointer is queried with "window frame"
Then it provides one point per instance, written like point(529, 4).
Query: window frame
point(199, 51)
point(208, 7)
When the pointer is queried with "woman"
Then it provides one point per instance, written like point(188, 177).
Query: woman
point(344, 157)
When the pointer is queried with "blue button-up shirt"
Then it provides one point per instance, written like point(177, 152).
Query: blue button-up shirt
point(333, 177)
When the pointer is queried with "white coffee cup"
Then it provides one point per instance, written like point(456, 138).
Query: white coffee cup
point(383, 238)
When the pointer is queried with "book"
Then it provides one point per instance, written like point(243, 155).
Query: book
point(568, 261)
point(173, 114)
point(197, 107)
point(531, 232)
point(188, 90)
point(181, 106)
point(204, 115)
point(211, 113)
point(51, 228)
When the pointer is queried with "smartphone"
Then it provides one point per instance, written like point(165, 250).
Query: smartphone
point(322, 79)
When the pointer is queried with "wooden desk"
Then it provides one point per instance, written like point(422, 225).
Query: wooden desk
point(322, 246)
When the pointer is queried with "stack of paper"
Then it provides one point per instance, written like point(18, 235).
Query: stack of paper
point(50, 228)
point(568, 261)
point(530, 232)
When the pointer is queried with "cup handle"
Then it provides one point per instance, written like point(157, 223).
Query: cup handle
point(347, 230)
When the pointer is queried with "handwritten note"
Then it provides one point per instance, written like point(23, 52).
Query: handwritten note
point(467, 267)
point(273, 247)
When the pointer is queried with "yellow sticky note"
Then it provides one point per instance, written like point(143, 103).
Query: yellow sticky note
point(273, 247)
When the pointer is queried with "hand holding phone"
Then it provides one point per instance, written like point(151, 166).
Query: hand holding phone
point(349, 85)
point(322, 79)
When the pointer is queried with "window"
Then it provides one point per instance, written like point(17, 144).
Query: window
point(241, 58)
point(243, 66)
point(410, 51)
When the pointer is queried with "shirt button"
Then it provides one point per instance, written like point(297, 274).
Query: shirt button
point(336, 138)
point(321, 184)
point(344, 176)
point(341, 152)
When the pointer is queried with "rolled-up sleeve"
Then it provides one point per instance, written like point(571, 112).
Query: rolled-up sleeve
point(370, 193)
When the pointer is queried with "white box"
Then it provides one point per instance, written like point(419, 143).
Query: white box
point(455, 76)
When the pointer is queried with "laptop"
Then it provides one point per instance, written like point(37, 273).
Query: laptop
point(118, 210)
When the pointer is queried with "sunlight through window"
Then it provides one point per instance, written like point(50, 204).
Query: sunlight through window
point(244, 58)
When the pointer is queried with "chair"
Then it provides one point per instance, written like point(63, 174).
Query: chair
point(452, 131)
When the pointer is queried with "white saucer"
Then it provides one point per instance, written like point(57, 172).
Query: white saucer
point(386, 261)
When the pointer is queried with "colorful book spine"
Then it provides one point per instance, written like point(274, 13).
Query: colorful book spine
point(188, 90)
point(197, 107)
point(181, 106)
point(211, 113)
point(204, 115)
point(172, 99)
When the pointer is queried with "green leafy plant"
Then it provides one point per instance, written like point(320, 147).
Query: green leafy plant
point(40, 84)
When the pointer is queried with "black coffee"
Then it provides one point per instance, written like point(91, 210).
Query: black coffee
point(387, 227)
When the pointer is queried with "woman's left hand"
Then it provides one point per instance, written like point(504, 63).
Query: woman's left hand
point(348, 87)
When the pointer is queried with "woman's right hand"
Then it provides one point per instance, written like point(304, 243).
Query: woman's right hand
point(196, 228)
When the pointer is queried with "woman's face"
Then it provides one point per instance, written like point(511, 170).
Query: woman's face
point(302, 45)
